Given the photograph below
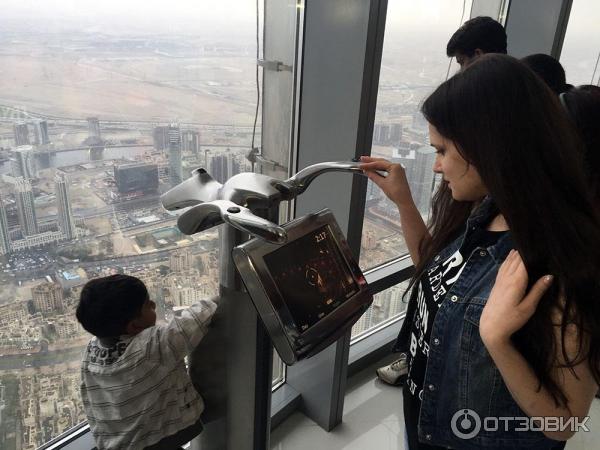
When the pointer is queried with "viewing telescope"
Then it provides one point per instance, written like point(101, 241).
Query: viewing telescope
point(300, 278)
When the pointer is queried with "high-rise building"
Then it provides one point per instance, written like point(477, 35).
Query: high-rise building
point(186, 288)
point(180, 261)
point(65, 327)
point(5, 246)
point(395, 133)
point(24, 164)
point(392, 302)
point(369, 240)
point(93, 127)
point(161, 137)
point(140, 177)
point(419, 121)
point(66, 221)
point(12, 313)
point(418, 161)
point(364, 323)
point(21, 134)
point(223, 167)
point(384, 133)
point(48, 297)
point(175, 168)
point(190, 141)
point(26, 207)
point(40, 132)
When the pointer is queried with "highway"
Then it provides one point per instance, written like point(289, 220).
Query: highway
point(41, 359)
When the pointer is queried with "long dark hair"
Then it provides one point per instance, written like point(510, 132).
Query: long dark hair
point(507, 123)
point(583, 107)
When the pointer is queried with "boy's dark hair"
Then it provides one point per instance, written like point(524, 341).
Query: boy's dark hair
point(482, 33)
point(108, 304)
point(549, 70)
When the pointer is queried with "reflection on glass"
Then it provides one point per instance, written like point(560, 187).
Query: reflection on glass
point(387, 306)
point(278, 369)
point(413, 64)
point(97, 119)
point(581, 47)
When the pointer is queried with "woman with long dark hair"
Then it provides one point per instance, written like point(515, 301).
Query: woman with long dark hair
point(503, 321)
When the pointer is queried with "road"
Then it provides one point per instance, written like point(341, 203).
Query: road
point(19, 362)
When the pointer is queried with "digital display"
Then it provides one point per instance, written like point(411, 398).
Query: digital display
point(311, 276)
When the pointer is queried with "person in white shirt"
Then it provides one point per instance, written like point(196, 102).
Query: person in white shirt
point(135, 388)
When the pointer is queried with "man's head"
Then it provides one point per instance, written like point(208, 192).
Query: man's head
point(549, 70)
point(476, 37)
point(115, 305)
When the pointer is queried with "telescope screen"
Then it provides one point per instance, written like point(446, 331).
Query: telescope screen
point(311, 276)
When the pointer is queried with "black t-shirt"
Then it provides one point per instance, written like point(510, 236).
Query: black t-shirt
point(433, 286)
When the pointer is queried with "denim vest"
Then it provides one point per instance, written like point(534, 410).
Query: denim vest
point(460, 373)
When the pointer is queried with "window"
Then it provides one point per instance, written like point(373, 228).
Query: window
point(387, 305)
point(413, 64)
point(280, 48)
point(106, 105)
point(581, 47)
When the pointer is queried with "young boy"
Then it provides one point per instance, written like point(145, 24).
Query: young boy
point(135, 388)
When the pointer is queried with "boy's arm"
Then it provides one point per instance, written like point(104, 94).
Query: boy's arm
point(170, 343)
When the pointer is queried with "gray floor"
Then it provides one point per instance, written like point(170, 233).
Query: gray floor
point(373, 419)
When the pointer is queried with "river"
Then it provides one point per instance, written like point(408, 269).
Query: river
point(74, 157)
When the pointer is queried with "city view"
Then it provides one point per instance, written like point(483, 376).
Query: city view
point(95, 124)
point(93, 128)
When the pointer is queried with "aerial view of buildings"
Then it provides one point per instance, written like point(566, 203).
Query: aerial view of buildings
point(94, 127)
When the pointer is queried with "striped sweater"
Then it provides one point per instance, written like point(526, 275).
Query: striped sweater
point(136, 390)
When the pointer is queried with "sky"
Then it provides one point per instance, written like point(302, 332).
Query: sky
point(221, 17)
point(187, 15)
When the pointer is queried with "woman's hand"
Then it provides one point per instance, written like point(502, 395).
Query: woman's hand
point(395, 185)
point(509, 307)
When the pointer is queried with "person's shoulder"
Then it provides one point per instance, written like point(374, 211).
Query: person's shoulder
point(92, 342)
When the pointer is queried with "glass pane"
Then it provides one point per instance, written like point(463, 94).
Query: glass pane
point(278, 369)
point(281, 18)
point(387, 306)
point(581, 48)
point(104, 106)
point(413, 64)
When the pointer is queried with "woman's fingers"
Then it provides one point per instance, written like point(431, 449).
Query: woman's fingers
point(505, 268)
point(375, 178)
point(377, 165)
point(533, 297)
point(512, 262)
point(394, 184)
point(370, 159)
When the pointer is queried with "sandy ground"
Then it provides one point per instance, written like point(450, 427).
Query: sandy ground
point(205, 90)
point(99, 225)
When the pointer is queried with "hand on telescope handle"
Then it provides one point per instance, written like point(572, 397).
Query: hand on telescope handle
point(394, 185)
point(297, 184)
